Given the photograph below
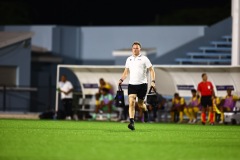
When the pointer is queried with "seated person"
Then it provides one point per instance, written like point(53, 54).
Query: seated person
point(193, 106)
point(156, 106)
point(178, 104)
point(102, 84)
point(105, 103)
point(228, 103)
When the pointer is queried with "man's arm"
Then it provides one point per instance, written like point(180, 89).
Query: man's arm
point(69, 91)
point(152, 74)
point(124, 75)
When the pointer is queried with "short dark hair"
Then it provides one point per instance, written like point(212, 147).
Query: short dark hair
point(204, 74)
point(136, 43)
point(176, 94)
point(64, 75)
point(193, 90)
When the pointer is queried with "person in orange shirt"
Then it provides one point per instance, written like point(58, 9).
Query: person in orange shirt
point(206, 91)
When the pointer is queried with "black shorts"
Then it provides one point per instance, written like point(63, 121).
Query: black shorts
point(140, 90)
point(206, 101)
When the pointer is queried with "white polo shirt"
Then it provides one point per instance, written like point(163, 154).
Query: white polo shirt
point(65, 87)
point(138, 68)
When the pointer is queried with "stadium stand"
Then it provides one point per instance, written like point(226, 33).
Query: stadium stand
point(218, 53)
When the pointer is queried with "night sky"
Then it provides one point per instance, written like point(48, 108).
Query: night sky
point(114, 13)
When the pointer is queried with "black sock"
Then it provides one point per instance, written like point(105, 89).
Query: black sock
point(131, 120)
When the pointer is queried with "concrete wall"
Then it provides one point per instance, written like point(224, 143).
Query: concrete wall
point(99, 42)
point(86, 45)
point(18, 55)
point(94, 45)
point(42, 34)
point(214, 32)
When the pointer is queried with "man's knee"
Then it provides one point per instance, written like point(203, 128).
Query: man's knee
point(132, 98)
point(140, 103)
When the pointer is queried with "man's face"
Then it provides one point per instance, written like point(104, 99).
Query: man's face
point(193, 94)
point(136, 49)
point(229, 91)
point(63, 78)
point(102, 82)
point(204, 77)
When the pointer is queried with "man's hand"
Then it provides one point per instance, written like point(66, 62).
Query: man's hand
point(153, 83)
point(120, 81)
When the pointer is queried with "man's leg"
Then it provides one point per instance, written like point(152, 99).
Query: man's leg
point(94, 115)
point(180, 111)
point(195, 113)
point(172, 113)
point(132, 101)
point(68, 108)
point(109, 111)
point(203, 115)
point(142, 105)
point(211, 115)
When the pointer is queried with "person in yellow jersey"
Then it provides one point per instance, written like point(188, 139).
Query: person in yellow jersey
point(102, 84)
point(228, 103)
point(106, 104)
point(178, 104)
point(194, 106)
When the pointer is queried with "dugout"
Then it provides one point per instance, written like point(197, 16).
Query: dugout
point(169, 79)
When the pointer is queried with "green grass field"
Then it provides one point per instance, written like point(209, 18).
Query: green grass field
point(83, 140)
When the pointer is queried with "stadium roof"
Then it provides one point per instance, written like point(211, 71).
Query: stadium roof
point(9, 38)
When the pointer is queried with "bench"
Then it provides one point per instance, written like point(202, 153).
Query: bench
point(208, 55)
point(86, 107)
point(202, 61)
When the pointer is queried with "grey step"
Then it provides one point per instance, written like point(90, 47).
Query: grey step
point(216, 49)
point(209, 55)
point(203, 60)
point(227, 38)
point(221, 43)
